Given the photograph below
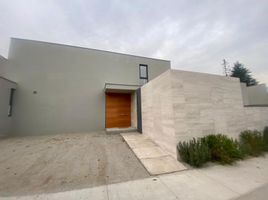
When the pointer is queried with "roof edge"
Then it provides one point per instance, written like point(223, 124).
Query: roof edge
point(2, 57)
point(86, 48)
point(204, 73)
point(1, 77)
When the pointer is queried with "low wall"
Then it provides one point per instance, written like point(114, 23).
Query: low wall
point(180, 105)
point(5, 120)
point(254, 95)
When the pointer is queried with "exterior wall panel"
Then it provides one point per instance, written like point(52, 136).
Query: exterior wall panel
point(61, 87)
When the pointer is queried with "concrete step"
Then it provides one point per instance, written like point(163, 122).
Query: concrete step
point(120, 130)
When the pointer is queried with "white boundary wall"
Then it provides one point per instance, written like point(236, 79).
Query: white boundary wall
point(179, 105)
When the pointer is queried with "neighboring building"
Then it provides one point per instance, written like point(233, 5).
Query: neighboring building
point(72, 89)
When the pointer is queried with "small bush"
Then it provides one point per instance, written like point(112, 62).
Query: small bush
point(251, 142)
point(265, 138)
point(220, 148)
point(195, 152)
point(223, 149)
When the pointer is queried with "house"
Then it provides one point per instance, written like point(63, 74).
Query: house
point(58, 88)
point(63, 88)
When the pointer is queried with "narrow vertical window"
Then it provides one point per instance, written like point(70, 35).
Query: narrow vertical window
point(144, 73)
point(11, 95)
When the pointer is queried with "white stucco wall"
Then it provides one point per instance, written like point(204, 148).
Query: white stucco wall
point(179, 105)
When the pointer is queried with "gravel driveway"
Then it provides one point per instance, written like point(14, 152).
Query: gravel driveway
point(53, 163)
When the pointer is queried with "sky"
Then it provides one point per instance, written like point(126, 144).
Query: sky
point(195, 35)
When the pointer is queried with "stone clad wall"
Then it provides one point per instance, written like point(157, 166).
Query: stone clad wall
point(197, 104)
point(157, 112)
point(256, 117)
point(205, 104)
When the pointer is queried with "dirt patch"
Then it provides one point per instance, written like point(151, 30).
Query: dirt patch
point(65, 162)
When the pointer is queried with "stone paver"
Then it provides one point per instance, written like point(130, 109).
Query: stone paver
point(153, 157)
point(161, 165)
point(149, 152)
point(140, 143)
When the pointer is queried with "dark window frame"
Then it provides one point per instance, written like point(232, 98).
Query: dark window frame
point(141, 77)
point(10, 104)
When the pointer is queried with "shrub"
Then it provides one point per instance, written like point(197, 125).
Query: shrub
point(195, 152)
point(265, 138)
point(220, 148)
point(251, 142)
point(223, 149)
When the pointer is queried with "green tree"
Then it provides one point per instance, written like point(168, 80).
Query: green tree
point(243, 74)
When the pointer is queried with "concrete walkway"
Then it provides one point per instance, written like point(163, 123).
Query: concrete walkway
point(211, 183)
point(156, 160)
point(258, 194)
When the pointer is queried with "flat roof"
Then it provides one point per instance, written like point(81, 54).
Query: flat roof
point(1, 77)
point(86, 48)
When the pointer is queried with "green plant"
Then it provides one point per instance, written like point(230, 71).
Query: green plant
point(243, 73)
point(223, 149)
point(195, 152)
point(220, 148)
point(251, 142)
point(265, 138)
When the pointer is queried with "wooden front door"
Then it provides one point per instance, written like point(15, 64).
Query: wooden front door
point(118, 112)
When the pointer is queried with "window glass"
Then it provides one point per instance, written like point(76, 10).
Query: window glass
point(143, 81)
point(143, 71)
point(11, 95)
